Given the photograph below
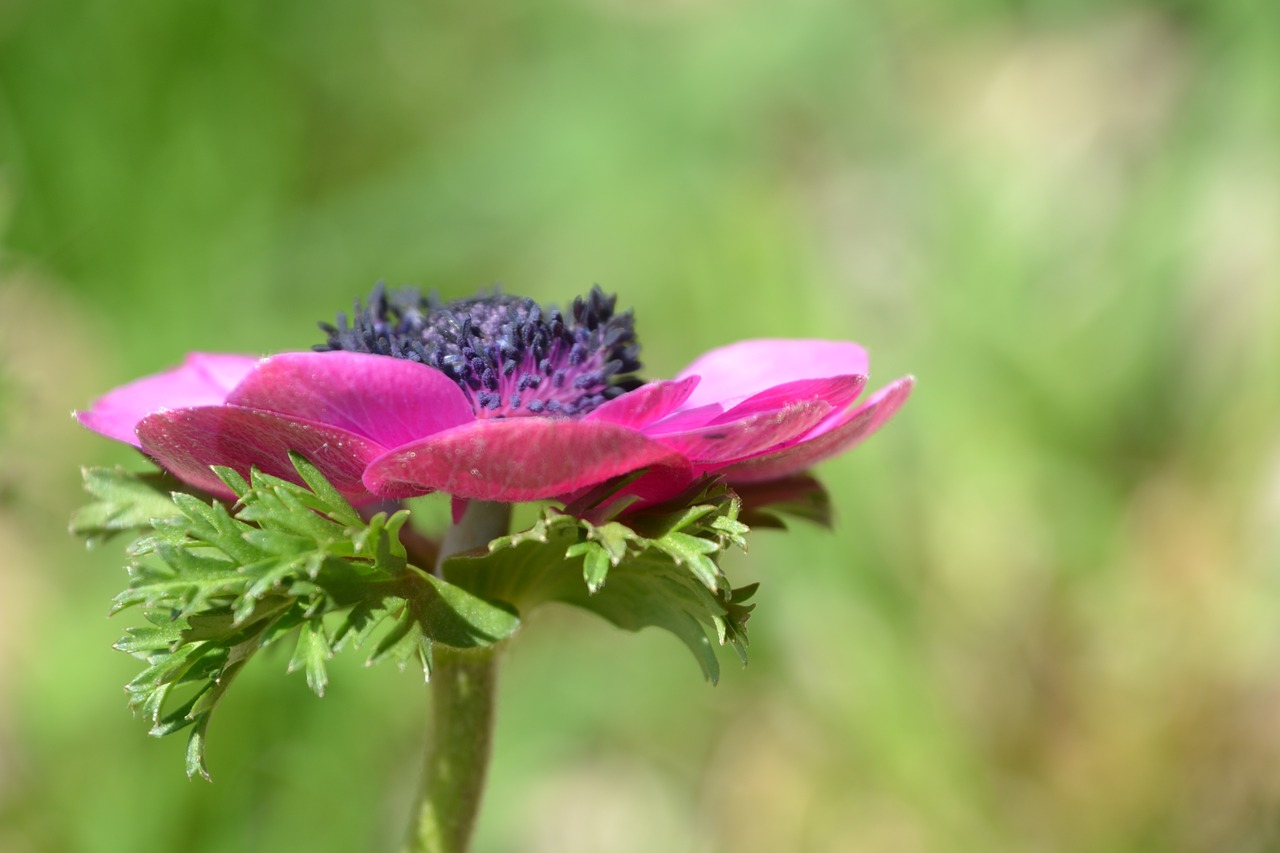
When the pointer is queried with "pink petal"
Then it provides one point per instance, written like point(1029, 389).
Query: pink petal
point(836, 391)
point(515, 459)
point(457, 509)
point(749, 367)
point(719, 444)
point(686, 420)
point(646, 404)
point(203, 379)
point(661, 483)
point(391, 401)
point(188, 441)
point(223, 371)
point(853, 426)
point(657, 484)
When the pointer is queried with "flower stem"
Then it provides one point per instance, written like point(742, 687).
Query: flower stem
point(463, 685)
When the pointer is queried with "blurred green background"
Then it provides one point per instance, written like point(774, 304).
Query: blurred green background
point(1048, 618)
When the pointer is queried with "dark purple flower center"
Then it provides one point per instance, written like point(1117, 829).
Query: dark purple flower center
point(509, 354)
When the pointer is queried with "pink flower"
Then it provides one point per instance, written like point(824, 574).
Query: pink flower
point(496, 399)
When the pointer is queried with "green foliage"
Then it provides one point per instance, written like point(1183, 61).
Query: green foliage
point(126, 501)
point(293, 563)
point(658, 567)
point(297, 563)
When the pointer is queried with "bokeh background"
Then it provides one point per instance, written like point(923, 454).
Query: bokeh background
point(1048, 618)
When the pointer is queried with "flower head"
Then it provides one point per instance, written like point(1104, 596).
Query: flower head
point(508, 355)
point(497, 398)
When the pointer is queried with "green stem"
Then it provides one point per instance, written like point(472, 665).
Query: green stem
point(463, 685)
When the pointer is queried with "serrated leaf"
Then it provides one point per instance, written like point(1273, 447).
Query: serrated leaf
point(399, 642)
point(335, 504)
point(613, 538)
point(642, 594)
point(692, 551)
point(660, 571)
point(237, 484)
point(195, 751)
point(361, 621)
point(457, 618)
point(216, 586)
point(595, 563)
point(125, 501)
point(278, 543)
point(149, 639)
point(176, 720)
point(312, 654)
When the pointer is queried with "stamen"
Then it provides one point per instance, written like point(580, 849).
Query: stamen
point(500, 348)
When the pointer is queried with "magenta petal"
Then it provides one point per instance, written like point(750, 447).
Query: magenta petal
point(657, 484)
point(836, 391)
point(391, 401)
point(457, 509)
point(686, 420)
point(720, 444)
point(203, 379)
point(854, 426)
point(188, 441)
point(749, 367)
point(646, 404)
point(221, 370)
point(515, 459)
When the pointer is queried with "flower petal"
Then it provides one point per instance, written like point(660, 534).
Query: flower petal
point(836, 391)
point(686, 419)
point(391, 401)
point(188, 441)
point(646, 404)
point(854, 426)
point(720, 444)
point(749, 367)
point(203, 379)
point(515, 459)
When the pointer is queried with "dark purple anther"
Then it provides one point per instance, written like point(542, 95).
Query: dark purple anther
point(499, 348)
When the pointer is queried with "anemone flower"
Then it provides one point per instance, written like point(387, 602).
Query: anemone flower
point(497, 399)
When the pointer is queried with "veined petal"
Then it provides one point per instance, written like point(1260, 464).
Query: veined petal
point(748, 367)
point(646, 404)
point(515, 459)
point(836, 391)
point(203, 379)
point(188, 441)
point(223, 371)
point(720, 444)
point(686, 420)
point(391, 401)
point(854, 426)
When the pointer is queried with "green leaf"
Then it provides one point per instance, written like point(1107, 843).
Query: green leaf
point(692, 551)
point(362, 621)
point(335, 504)
point(457, 618)
point(195, 751)
point(216, 586)
point(312, 654)
point(124, 501)
point(405, 640)
point(657, 568)
point(595, 563)
point(613, 538)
